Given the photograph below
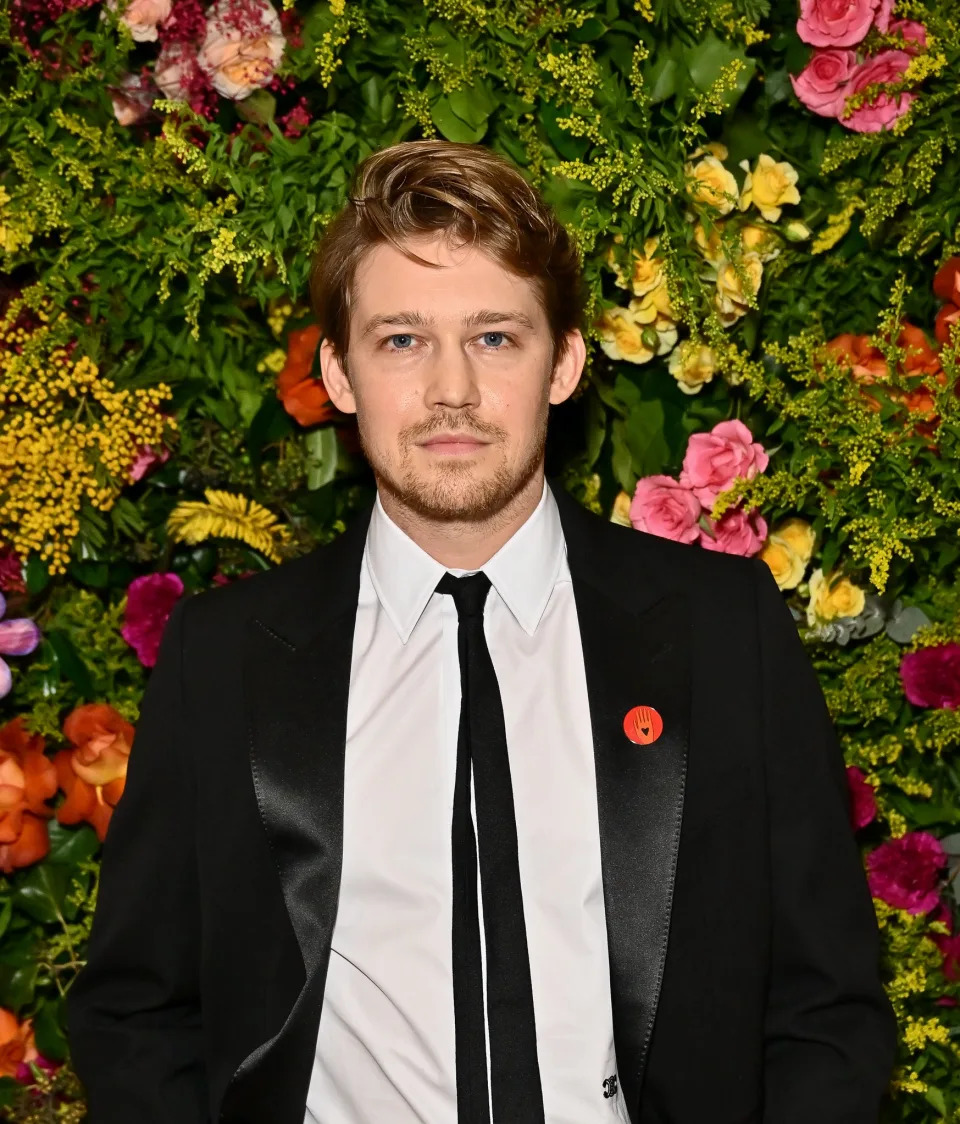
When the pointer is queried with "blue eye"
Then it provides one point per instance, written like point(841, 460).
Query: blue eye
point(401, 336)
point(501, 335)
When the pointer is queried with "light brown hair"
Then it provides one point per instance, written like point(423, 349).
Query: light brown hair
point(472, 194)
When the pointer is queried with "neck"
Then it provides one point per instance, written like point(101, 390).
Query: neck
point(466, 544)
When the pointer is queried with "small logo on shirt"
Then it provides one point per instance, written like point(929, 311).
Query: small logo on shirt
point(610, 1086)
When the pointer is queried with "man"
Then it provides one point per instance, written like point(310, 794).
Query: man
point(489, 809)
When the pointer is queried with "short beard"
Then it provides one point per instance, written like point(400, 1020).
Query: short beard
point(442, 501)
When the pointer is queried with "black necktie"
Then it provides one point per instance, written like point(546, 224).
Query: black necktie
point(482, 740)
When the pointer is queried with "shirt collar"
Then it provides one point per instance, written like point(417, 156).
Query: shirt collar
point(523, 571)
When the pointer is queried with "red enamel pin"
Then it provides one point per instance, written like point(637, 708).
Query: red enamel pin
point(642, 725)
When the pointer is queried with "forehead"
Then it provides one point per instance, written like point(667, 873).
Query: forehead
point(468, 278)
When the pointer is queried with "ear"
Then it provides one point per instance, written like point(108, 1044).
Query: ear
point(335, 381)
point(568, 368)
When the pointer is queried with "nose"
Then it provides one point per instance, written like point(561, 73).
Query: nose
point(451, 377)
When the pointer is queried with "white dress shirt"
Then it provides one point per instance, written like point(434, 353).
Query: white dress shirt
point(386, 1051)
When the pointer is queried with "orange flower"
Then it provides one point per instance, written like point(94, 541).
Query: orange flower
point(16, 1043)
point(921, 358)
point(94, 772)
point(303, 397)
point(946, 282)
point(865, 361)
point(27, 780)
point(948, 315)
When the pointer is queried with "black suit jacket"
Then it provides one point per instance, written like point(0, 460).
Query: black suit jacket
point(743, 944)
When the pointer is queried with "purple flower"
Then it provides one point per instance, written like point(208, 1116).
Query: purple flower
point(931, 676)
point(18, 637)
point(150, 600)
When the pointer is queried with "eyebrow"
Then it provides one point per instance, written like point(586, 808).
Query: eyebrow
point(413, 319)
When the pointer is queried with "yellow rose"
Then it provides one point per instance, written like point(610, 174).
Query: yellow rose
point(844, 600)
point(622, 336)
point(712, 185)
point(798, 535)
point(647, 269)
point(621, 510)
point(730, 299)
point(786, 566)
point(709, 246)
point(759, 240)
point(693, 365)
point(714, 148)
point(768, 186)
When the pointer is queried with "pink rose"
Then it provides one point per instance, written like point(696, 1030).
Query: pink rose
point(835, 23)
point(132, 99)
point(714, 460)
point(736, 532)
point(150, 600)
point(176, 71)
point(881, 21)
point(142, 17)
point(931, 676)
point(243, 46)
point(863, 802)
point(884, 109)
point(905, 872)
point(824, 82)
point(663, 507)
point(914, 34)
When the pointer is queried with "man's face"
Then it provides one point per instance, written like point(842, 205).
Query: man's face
point(465, 351)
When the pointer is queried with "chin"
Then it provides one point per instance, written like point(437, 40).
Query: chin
point(458, 492)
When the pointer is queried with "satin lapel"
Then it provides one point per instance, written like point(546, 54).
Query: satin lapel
point(635, 628)
point(297, 663)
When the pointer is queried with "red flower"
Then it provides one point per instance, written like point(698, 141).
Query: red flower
point(863, 803)
point(931, 676)
point(905, 872)
point(303, 397)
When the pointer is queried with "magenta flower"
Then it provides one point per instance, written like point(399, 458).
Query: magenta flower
point(18, 637)
point(905, 872)
point(931, 676)
point(863, 802)
point(150, 600)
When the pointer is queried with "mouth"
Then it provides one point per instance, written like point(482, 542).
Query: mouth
point(454, 446)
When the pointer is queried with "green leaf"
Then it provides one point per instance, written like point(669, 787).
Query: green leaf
point(71, 845)
point(453, 127)
point(37, 575)
point(322, 452)
point(48, 1029)
point(5, 914)
point(71, 665)
point(569, 147)
point(621, 460)
point(706, 59)
point(40, 892)
point(18, 981)
point(643, 433)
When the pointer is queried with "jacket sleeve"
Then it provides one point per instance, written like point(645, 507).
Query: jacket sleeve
point(830, 1033)
point(133, 1011)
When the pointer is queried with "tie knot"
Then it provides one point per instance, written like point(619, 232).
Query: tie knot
point(469, 592)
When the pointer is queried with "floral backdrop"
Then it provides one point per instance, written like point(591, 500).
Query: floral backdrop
point(764, 197)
